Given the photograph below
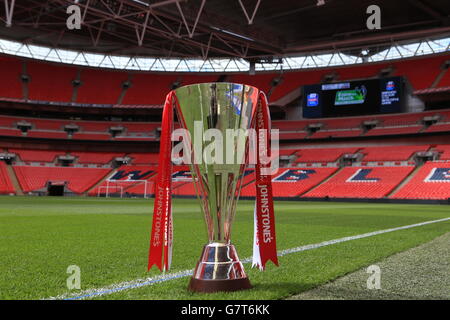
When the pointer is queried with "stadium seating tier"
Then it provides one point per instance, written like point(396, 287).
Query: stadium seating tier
point(361, 182)
point(432, 181)
point(33, 178)
point(6, 186)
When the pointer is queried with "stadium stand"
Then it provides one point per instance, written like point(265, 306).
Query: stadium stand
point(289, 125)
point(95, 126)
point(391, 153)
point(33, 178)
point(318, 174)
point(91, 136)
point(47, 134)
point(141, 92)
point(336, 133)
point(444, 152)
point(7, 121)
point(46, 124)
point(339, 123)
point(139, 127)
point(293, 135)
point(96, 157)
point(100, 86)
point(141, 189)
point(185, 189)
point(432, 181)
point(394, 130)
point(10, 86)
point(50, 82)
point(351, 73)
point(322, 154)
point(6, 186)
point(134, 138)
point(10, 132)
point(440, 127)
point(445, 81)
point(286, 152)
point(347, 182)
point(289, 130)
point(36, 155)
point(402, 119)
point(292, 182)
point(144, 158)
point(420, 73)
point(361, 182)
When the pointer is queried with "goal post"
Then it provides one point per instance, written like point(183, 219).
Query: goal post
point(108, 191)
point(121, 187)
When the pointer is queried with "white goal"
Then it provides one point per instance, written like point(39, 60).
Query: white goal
point(121, 187)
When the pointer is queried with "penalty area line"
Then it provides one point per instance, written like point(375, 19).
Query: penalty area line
point(138, 283)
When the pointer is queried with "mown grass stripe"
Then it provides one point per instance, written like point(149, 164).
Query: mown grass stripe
point(138, 283)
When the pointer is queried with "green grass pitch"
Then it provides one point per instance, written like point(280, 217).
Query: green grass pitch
point(108, 239)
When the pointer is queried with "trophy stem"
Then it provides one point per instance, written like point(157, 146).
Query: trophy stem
point(219, 269)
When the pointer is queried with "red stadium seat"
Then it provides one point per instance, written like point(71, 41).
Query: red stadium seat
point(420, 72)
point(91, 136)
point(37, 155)
point(10, 85)
point(47, 134)
point(292, 182)
point(144, 158)
point(96, 157)
point(32, 178)
point(444, 151)
point(432, 181)
point(6, 186)
point(100, 86)
point(50, 82)
point(322, 154)
point(336, 133)
point(10, 132)
point(439, 127)
point(393, 130)
point(7, 122)
point(445, 81)
point(354, 182)
point(391, 153)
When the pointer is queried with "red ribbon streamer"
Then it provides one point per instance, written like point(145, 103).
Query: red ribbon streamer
point(265, 237)
point(161, 237)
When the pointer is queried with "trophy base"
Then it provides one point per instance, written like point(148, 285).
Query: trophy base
point(210, 286)
point(219, 269)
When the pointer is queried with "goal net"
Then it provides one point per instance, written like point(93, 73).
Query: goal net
point(124, 188)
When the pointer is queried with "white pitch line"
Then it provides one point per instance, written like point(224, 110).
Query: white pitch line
point(181, 274)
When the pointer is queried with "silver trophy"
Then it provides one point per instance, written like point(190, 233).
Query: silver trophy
point(217, 169)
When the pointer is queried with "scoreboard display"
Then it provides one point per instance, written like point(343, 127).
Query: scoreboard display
point(350, 98)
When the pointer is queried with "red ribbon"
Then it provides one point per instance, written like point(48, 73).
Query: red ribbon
point(161, 237)
point(264, 247)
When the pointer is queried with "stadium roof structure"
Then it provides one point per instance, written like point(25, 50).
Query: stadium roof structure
point(217, 35)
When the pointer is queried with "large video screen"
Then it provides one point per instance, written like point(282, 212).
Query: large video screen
point(354, 98)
